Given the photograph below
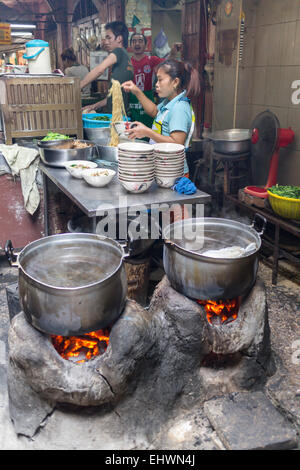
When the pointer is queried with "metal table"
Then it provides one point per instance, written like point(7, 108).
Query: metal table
point(94, 202)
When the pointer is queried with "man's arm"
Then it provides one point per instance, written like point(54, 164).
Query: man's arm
point(110, 60)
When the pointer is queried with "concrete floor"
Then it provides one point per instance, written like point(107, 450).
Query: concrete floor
point(191, 430)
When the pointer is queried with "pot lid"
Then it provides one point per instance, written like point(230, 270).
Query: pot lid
point(37, 43)
point(263, 143)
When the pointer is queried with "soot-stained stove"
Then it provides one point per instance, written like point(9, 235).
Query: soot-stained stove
point(151, 362)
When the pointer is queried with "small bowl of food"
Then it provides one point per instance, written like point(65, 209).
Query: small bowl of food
point(77, 167)
point(98, 177)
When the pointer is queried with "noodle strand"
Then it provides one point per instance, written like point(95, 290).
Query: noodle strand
point(118, 110)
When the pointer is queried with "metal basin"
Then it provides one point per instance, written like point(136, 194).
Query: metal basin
point(71, 283)
point(99, 135)
point(231, 141)
point(107, 153)
point(57, 157)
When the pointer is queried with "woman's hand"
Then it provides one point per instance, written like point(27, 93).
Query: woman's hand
point(138, 131)
point(129, 86)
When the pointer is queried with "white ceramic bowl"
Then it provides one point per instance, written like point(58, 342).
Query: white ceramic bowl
point(165, 157)
point(135, 147)
point(168, 147)
point(174, 169)
point(76, 167)
point(133, 171)
point(169, 164)
point(98, 177)
point(135, 154)
point(136, 176)
point(149, 177)
point(136, 167)
point(136, 186)
point(133, 160)
point(168, 173)
point(166, 181)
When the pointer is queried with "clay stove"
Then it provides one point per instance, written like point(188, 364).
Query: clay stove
point(157, 359)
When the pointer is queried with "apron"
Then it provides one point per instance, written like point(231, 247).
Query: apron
point(157, 127)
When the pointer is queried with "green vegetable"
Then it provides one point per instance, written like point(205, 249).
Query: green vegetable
point(55, 136)
point(101, 118)
point(286, 191)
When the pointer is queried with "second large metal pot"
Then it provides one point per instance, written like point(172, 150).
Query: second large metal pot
point(231, 141)
point(71, 283)
point(54, 156)
point(201, 277)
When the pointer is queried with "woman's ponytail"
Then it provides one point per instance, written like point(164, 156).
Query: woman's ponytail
point(187, 74)
point(193, 87)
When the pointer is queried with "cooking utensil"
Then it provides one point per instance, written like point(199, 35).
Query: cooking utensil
point(207, 278)
point(71, 284)
point(231, 141)
point(57, 157)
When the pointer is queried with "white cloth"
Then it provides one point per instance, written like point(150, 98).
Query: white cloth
point(230, 252)
point(24, 162)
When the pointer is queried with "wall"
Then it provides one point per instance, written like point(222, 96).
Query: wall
point(170, 21)
point(269, 65)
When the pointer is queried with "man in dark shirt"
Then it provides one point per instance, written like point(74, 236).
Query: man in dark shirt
point(116, 39)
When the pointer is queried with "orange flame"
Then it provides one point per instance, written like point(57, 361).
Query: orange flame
point(224, 310)
point(89, 344)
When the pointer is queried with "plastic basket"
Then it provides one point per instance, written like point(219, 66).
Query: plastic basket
point(285, 206)
point(89, 122)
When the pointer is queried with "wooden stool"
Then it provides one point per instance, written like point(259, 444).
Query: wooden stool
point(232, 171)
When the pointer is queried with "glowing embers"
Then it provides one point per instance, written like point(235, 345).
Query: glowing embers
point(221, 311)
point(82, 348)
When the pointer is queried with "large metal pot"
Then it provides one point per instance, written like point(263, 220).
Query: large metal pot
point(57, 157)
point(231, 141)
point(71, 283)
point(206, 278)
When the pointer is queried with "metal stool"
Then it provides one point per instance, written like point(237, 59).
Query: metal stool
point(232, 171)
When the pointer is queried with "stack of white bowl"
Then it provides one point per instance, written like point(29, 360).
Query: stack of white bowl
point(169, 163)
point(136, 166)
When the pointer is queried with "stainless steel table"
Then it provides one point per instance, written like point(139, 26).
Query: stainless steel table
point(96, 201)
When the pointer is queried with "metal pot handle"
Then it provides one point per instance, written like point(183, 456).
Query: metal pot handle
point(10, 255)
point(264, 223)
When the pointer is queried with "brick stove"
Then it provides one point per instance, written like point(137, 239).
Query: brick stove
point(158, 359)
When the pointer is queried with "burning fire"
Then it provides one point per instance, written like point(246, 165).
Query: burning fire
point(89, 345)
point(222, 310)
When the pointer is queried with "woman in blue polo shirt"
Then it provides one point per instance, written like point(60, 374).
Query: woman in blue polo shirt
point(174, 118)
